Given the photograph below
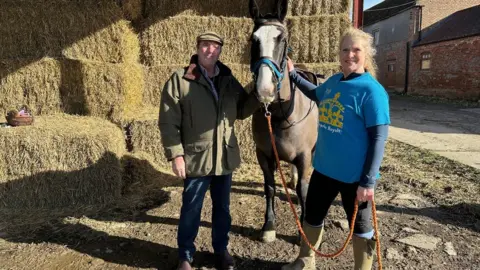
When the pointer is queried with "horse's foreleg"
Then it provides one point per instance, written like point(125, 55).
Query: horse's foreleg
point(268, 167)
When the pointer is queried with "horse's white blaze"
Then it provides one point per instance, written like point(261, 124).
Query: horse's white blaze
point(267, 36)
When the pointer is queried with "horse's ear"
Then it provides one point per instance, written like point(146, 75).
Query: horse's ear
point(282, 7)
point(253, 8)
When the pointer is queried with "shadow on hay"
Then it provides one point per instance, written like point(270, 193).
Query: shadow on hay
point(97, 184)
point(138, 197)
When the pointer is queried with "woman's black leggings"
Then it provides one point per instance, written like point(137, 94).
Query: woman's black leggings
point(321, 193)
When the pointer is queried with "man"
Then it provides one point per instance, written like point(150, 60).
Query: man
point(200, 104)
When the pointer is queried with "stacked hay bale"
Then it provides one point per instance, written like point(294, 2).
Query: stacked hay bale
point(78, 57)
point(168, 41)
point(84, 58)
point(60, 161)
point(65, 58)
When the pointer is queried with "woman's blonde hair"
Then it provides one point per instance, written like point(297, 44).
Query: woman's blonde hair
point(366, 41)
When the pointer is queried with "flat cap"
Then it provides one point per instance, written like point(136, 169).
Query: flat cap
point(210, 36)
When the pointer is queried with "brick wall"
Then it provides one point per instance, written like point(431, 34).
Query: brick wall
point(435, 10)
point(447, 78)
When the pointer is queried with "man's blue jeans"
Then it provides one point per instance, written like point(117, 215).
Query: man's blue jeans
point(192, 202)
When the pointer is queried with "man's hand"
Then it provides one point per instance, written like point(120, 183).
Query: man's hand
point(290, 64)
point(178, 167)
point(365, 194)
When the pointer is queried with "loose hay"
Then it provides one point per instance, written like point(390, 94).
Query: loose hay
point(60, 161)
point(159, 9)
point(172, 41)
point(71, 86)
point(93, 30)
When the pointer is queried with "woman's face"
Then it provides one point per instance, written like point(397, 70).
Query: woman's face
point(352, 56)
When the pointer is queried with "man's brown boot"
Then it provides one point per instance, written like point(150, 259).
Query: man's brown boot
point(363, 252)
point(184, 265)
point(306, 257)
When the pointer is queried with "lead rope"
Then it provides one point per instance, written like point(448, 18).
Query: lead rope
point(297, 220)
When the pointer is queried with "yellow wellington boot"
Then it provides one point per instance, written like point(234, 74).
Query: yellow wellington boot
point(363, 252)
point(306, 258)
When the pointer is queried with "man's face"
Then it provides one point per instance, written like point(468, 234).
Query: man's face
point(208, 52)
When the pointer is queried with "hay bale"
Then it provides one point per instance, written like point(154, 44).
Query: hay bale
point(326, 69)
point(143, 174)
point(243, 130)
point(92, 30)
point(144, 136)
point(60, 161)
point(72, 86)
point(36, 84)
point(155, 78)
point(132, 9)
point(172, 41)
point(315, 38)
point(160, 9)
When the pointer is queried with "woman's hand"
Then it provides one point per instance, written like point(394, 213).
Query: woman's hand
point(365, 194)
point(290, 65)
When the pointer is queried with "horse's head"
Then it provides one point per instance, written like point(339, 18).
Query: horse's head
point(268, 50)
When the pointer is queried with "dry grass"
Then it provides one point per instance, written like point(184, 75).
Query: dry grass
point(92, 30)
point(72, 86)
point(159, 9)
point(442, 180)
point(60, 161)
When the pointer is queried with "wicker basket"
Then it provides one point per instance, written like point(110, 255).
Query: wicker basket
point(14, 119)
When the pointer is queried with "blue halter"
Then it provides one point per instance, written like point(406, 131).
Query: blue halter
point(273, 66)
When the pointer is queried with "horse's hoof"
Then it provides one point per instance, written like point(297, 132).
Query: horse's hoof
point(268, 236)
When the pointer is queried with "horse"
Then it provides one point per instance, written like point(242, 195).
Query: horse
point(293, 115)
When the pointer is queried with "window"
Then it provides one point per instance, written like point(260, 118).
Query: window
point(376, 36)
point(426, 60)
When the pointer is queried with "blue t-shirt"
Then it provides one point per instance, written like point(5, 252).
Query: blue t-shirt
point(346, 109)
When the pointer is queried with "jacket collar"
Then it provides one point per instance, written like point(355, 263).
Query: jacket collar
point(194, 73)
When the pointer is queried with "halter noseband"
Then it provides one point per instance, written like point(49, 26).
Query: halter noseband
point(276, 69)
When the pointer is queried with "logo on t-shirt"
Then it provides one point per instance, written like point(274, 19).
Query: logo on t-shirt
point(331, 112)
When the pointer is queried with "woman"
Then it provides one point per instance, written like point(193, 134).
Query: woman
point(353, 127)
